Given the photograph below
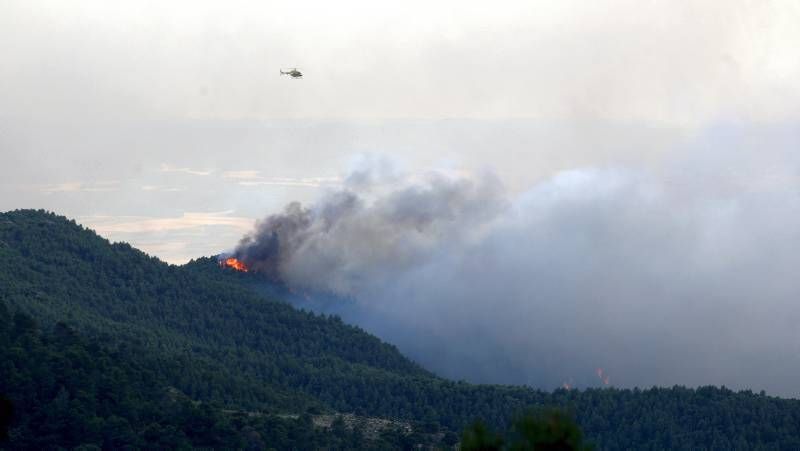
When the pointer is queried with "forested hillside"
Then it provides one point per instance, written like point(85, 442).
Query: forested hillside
point(104, 345)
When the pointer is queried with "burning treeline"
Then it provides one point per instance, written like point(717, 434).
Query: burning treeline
point(274, 240)
point(234, 263)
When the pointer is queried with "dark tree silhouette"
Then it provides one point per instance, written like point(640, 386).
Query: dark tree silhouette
point(6, 416)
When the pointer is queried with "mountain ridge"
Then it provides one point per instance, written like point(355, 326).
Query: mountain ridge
point(201, 329)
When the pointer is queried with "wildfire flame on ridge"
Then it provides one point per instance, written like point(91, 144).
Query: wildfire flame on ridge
point(234, 263)
point(603, 376)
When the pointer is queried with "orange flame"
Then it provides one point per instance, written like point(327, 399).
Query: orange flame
point(603, 376)
point(234, 263)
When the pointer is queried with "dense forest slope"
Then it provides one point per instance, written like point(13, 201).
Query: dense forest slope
point(104, 345)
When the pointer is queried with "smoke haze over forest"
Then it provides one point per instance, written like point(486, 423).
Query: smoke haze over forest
point(683, 275)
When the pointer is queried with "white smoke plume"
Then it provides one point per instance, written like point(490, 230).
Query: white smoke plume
point(685, 275)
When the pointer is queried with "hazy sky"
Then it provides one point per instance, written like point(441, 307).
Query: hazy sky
point(167, 124)
point(665, 62)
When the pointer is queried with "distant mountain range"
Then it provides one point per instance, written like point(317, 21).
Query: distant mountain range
point(102, 346)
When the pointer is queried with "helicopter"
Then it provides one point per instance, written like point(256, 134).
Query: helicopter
point(293, 72)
